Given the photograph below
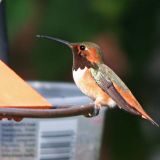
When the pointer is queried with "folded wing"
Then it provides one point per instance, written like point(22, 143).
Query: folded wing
point(118, 91)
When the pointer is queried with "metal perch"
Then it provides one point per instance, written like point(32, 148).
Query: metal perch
point(61, 111)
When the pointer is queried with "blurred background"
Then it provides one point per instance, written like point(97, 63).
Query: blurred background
point(129, 34)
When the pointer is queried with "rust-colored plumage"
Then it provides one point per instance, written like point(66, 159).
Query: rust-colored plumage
point(98, 81)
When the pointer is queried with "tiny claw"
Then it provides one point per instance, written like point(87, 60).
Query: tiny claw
point(94, 113)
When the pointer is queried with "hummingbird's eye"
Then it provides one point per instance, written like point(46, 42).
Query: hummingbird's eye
point(82, 47)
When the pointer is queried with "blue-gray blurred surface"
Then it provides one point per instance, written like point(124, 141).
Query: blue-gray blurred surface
point(57, 138)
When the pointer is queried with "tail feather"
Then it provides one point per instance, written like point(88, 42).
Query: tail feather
point(147, 117)
point(141, 113)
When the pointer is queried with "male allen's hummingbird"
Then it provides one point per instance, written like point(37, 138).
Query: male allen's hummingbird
point(98, 81)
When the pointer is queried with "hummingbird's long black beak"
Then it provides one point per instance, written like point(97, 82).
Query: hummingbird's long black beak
point(55, 39)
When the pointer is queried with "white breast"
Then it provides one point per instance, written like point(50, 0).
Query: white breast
point(79, 79)
point(78, 74)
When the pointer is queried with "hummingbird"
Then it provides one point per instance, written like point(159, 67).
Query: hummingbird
point(98, 81)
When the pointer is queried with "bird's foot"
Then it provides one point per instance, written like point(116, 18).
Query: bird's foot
point(94, 113)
